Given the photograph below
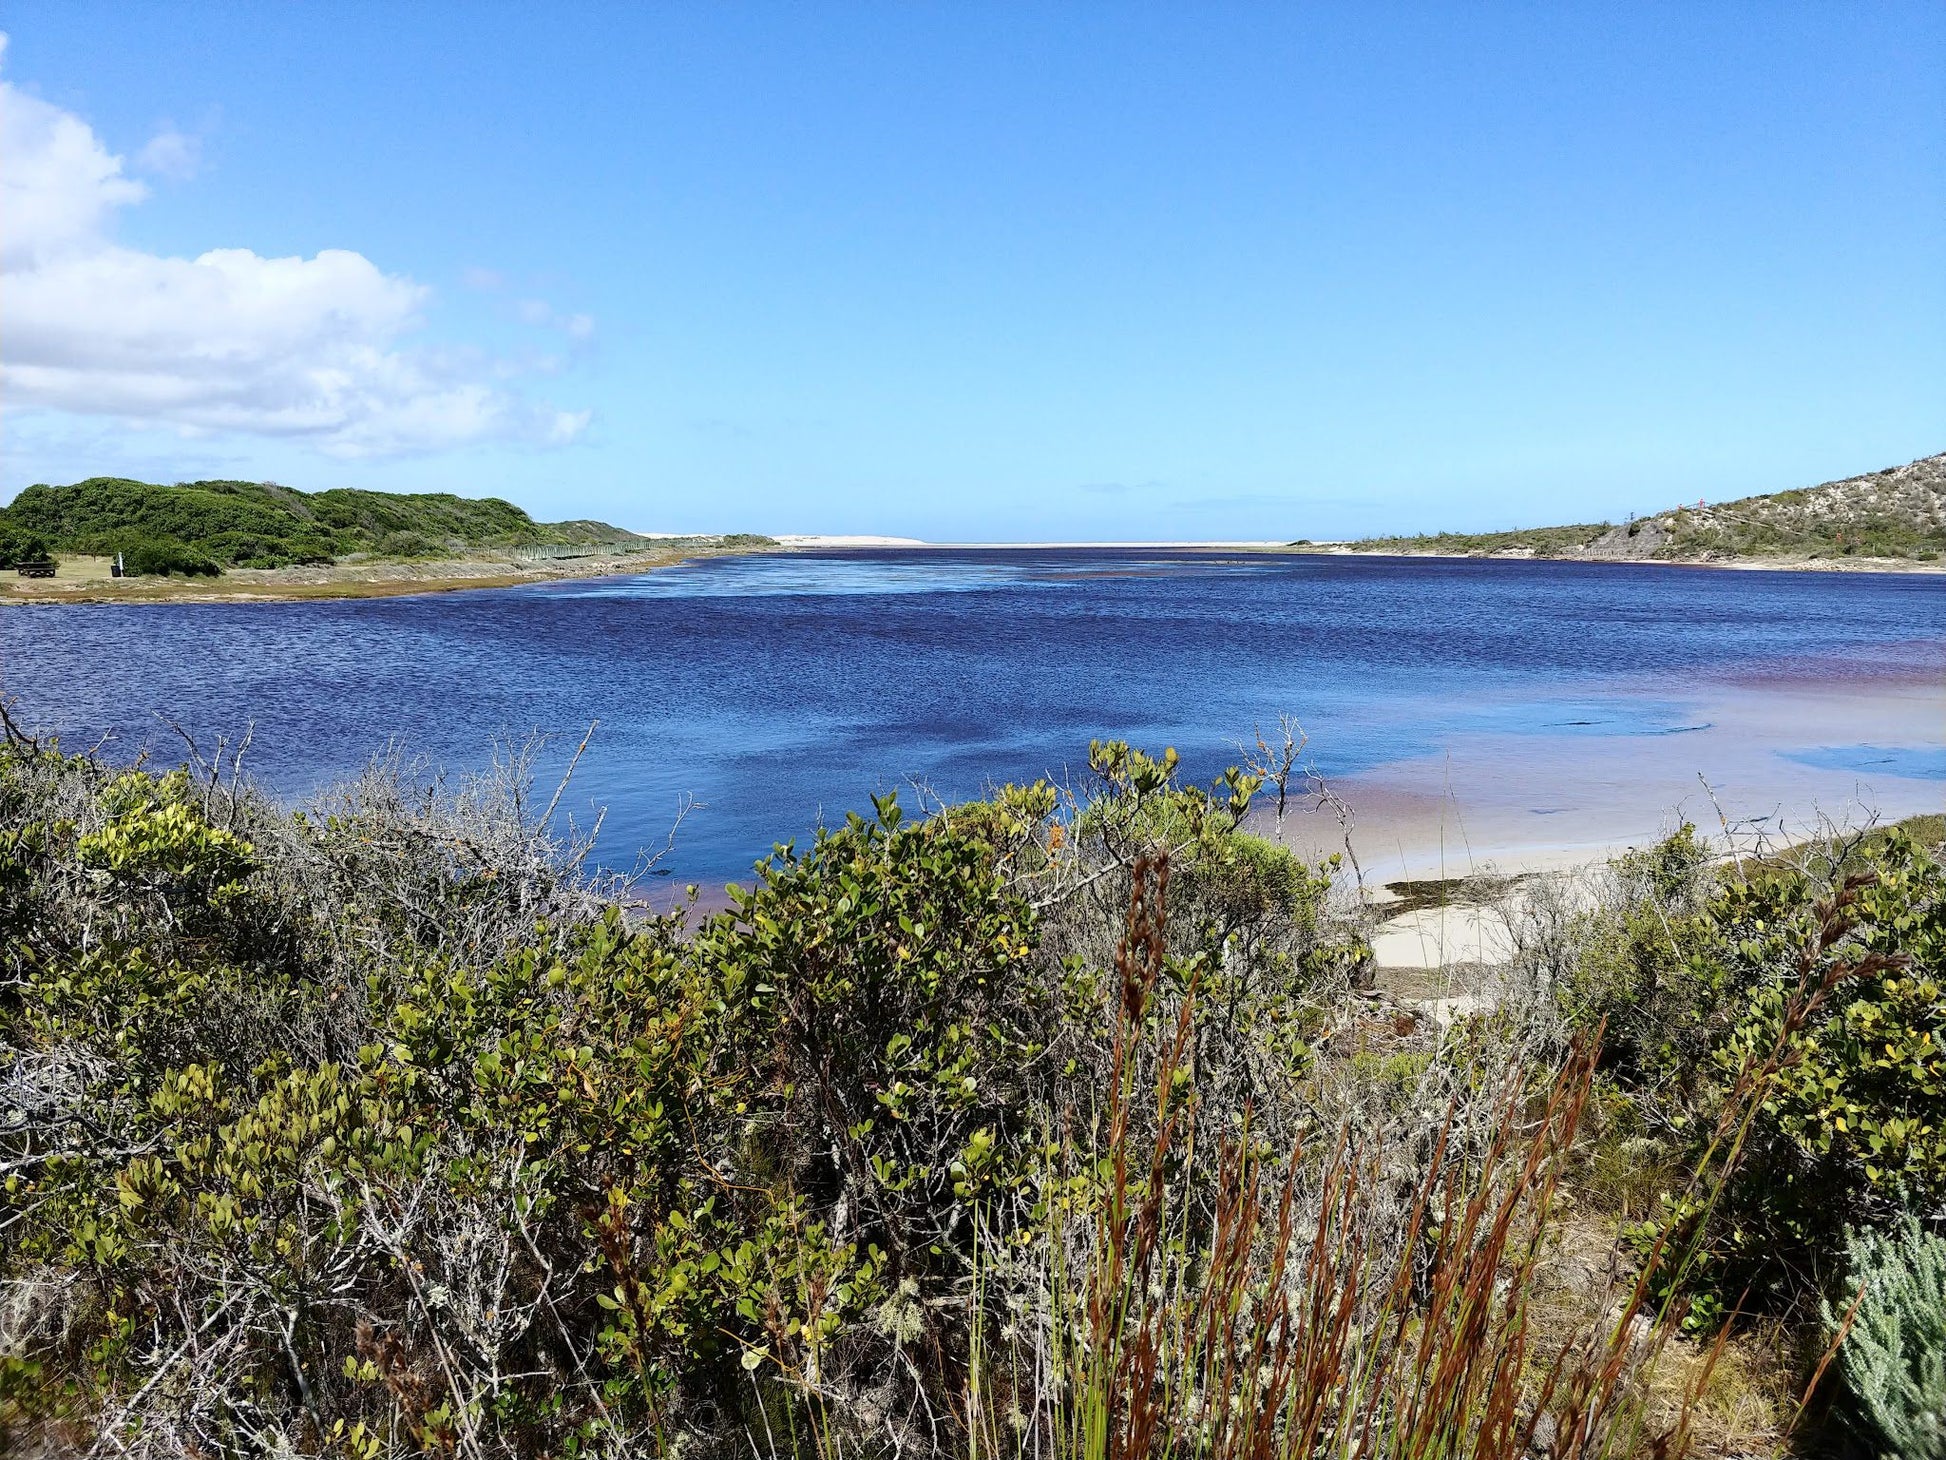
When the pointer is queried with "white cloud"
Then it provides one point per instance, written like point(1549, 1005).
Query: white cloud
point(58, 184)
point(171, 154)
point(228, 341)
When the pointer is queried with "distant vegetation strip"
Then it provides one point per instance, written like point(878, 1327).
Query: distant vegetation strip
point(203, 527)
point(1898, 513)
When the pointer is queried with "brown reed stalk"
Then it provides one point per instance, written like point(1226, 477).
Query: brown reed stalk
point(1257, 1340)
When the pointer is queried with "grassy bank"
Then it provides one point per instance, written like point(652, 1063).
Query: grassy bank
point(1057, 1124)
point(84, 579)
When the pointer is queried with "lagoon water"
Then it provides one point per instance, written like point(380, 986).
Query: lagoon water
point(779, 690)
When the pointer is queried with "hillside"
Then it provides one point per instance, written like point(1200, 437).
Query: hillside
point(225, 524)
point(1898, 513)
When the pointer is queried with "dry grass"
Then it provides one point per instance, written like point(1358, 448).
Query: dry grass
point(1380, 1298)
point(80, 579)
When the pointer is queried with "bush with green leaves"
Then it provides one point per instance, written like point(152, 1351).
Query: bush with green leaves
point(885, 990)
point(1639, 970)
point(378, 1128)
point(265, 525)
point(19, 547)
point(542, 1191)
point(1825, 983)
point(162, 557)
point(1894, 1347)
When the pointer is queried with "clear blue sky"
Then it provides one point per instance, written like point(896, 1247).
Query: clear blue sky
point(980, 271)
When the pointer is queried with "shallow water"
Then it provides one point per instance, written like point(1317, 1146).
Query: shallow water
point(780, 689)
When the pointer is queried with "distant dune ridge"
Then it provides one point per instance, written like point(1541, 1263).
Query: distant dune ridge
point(1898, 514)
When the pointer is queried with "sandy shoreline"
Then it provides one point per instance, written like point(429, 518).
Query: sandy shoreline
point(1765, 565)
point(1346, 550)
point(1777, 761)
point(86, 580)
point(90, 582)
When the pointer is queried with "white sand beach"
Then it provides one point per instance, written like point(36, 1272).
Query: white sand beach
point(1536, 802)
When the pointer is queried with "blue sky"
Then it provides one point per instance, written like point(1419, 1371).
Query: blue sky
point(979, 271)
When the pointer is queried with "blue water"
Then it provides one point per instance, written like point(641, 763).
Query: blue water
point(1914, 762)
point(778, 690)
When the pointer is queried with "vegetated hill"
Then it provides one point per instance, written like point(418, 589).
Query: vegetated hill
point(1537, 542)
point(264, 525)
point(1896, 513)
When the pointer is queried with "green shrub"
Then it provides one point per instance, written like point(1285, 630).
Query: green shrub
point(1843, 1019)
point(221, 1065)
point(1541, 542)
point(375, 1129)
point(264, 525)
point(163, 556)
point(1637, 972)
point(1894, 1353)
point(885, 982)
point(404, 543)
point(256, 550)
point(18, 547)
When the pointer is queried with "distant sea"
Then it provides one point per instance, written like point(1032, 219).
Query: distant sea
point(773, 692)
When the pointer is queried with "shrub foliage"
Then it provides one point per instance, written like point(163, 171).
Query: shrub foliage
point(1044, 1124)
point(197, 527)
point(1894, 1341)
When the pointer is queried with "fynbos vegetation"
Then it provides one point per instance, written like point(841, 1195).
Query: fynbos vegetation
point(202, 527)
point(1047, 1125)
point(1898, 513)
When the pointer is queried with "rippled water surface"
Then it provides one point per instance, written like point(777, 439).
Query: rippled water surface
point(776, 690)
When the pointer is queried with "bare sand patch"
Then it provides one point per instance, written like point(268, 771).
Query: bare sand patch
point(1513, 803)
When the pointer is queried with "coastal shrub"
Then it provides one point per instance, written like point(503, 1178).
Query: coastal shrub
point(408, 544)
point(1139, 807)
point(90, 515)
point(1018, 822)
point(1263, 1304)
point(382, 1128)
point(1271, 951)
point(18, 547)
point(1894, 1349)
point(1814, 973)
point(1640, 971)
point(162, 556)
point(310, 1055)
point(1539, 542)
point(367, 1175)
point(265, 525)
point(379, 1120)
point(886, 992)
point(255, 550)
point(1843, 1021)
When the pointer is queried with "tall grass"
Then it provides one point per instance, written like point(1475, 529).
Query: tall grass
point(1265, 1312)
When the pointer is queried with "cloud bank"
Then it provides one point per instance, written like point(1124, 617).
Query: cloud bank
point(314, 349)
